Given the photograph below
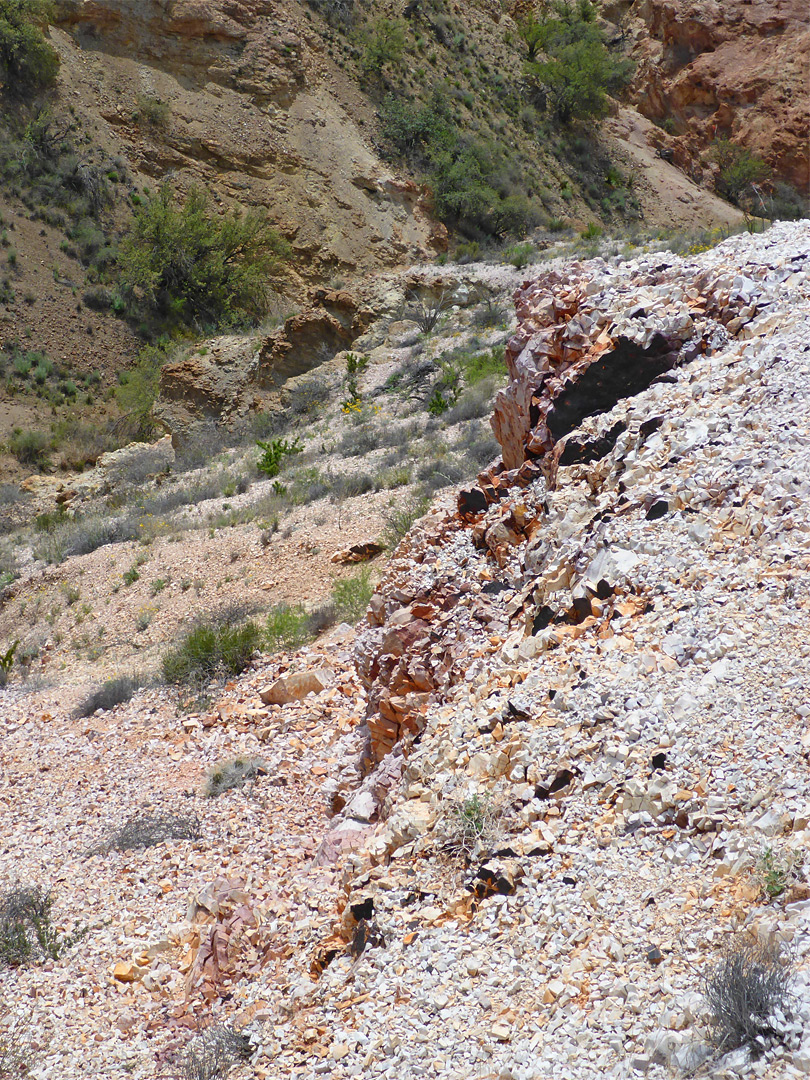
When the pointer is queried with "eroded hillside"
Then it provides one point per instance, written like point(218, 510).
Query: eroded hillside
point(508, 825)
point(322, 114)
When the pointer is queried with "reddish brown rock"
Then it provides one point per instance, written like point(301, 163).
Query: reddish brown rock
point(736, 70)
point(297, 686)
point(361, 552)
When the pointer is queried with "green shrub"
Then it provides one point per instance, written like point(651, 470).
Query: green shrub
point(740, 172)
point(483, 365)
point(42, 371)
point(274, 452)
point(131, 576)
point(27, 61)
point(467, 175)
point(415, 131)
point(25, 927)
point(578, 71)
point(211, 649)
point(351, 596)
point(385, 45)
point(287, 627)
point(47, 521)
point(30, 447)
point(592, 231)
point(152, 111)
point(23, 363)
point(137, 392)
point(776, 872)
point(519, 255)
point(187, 266)
point(438, 403)
point(6, 661)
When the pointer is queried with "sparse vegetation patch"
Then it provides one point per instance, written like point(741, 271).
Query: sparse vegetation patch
point(27, 61)
point(144, 830)
point(210, 649)
point(113, 692)
point(744, 989)
point(351, 596)
point(26, 931)
point(233, 774)
point(214, 1053)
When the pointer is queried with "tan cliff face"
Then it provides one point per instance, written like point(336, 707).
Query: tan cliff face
point(737, 70)
point(256, 111)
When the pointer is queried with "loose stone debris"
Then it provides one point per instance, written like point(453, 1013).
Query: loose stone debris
point(607, 638)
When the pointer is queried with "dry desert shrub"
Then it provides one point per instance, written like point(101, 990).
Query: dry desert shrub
point(471, 826)
point(217, 1050)
point(144, 830)
point(233, 774)
point(16, 1055)
point(112, 692)
point(744, 990)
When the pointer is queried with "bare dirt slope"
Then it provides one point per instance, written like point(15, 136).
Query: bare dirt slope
point(256, 111)
point(669, 199)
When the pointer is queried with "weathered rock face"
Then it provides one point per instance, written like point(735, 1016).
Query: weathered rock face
point(594, 361)
point(314, 336)
point(256, 111)
point(216, 384)
point(229, 377)
point(736, 70)
point(581, 345)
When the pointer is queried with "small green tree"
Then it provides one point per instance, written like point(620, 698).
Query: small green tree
point(578, 71)
point(27, 61)
point(192, 267)
point(274, 452)
point(137, 393)
point(740, 171)
point(533, 34)
point(417, 132)
point(385, 45)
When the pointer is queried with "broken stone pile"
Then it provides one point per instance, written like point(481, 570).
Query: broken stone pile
point(612, 658)
point(506, 828)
